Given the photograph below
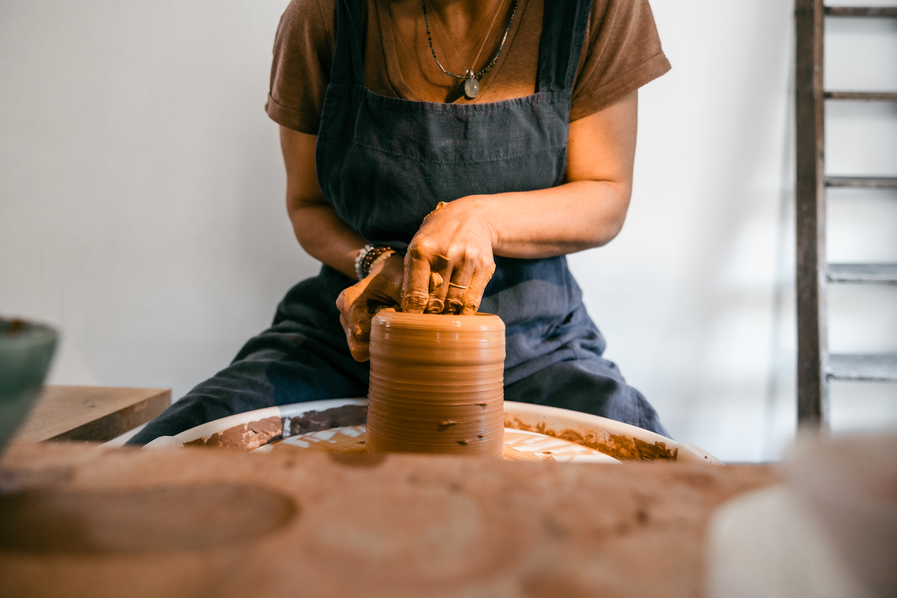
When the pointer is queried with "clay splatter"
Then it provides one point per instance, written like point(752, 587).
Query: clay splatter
point(617, 446)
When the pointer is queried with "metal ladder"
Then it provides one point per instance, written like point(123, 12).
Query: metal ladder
point(815, 365)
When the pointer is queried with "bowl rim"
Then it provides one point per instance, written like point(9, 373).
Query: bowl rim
point(521, 416)
point(32, 333)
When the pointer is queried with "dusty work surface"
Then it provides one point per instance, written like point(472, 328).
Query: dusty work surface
point(78, 520)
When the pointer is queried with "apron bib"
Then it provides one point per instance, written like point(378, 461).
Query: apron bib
point(385, 163)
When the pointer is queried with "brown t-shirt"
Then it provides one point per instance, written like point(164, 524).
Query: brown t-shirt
point(621, 53)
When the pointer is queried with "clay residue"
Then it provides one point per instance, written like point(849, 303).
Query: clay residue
point(265, 431)
point(512, 454)
point(343, 440)
point(245, 436)
point(15, 326)
point(619, 447)
point(337, 417)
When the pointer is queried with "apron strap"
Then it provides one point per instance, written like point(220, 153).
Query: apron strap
point(348, 68)
point(563, 32)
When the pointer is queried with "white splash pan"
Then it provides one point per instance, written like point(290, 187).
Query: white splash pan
point(606, 435)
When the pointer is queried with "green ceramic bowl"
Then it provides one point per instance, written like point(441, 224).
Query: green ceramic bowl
point(26, 350)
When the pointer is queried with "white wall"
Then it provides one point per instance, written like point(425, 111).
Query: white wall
point(141, 205)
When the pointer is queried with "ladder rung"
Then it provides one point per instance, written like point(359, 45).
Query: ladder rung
point(868, 182)
point(863, 273)
point(861, 11)
point(865, 96)
point(880, 367)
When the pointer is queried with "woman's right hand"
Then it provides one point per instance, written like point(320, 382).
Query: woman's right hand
point(449, 260)
point(360, 302)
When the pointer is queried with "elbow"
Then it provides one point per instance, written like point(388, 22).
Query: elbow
point(298, 214)
point(611, 216)
point(604, 232)
point(610, 231)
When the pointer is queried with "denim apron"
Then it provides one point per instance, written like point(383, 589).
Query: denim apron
point(384, 163)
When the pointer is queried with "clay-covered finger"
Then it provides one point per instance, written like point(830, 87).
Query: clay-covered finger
point(437, 291)
point(416, 284)
point(344, 305)
point(460, 282)
point(345, 324)
point(360, 318)
point(360, 339)
point(439, 283)
point(473, 294)
point(360, 350)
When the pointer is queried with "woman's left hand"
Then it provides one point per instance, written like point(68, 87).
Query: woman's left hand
point(360, 302)
point(449, 261)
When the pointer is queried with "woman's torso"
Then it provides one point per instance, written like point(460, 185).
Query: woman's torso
point(385, 162)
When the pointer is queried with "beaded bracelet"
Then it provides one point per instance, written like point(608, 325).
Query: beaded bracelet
point(368, 256)
point(379, 259)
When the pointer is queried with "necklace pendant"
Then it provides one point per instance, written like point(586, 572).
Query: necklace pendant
point(471, 88)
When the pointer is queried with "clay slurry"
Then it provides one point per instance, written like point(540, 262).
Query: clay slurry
point(436, 384)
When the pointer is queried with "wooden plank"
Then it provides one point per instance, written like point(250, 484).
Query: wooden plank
point(864, 96)
point(863, 273)
point(862, 182)
point(879, 367)
point(87, 413)
point(861, 11)
point(812, 385)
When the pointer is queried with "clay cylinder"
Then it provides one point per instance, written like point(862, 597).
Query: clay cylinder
point(437, 384)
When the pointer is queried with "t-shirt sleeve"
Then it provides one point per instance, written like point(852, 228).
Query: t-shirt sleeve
point(303, 53)
point(622, 52)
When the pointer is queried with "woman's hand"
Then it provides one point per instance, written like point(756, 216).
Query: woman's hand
point(359, 303)
point(449, 261)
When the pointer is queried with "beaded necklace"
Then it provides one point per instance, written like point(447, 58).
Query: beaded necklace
point(471, 81)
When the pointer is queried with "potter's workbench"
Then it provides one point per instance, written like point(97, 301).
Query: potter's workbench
point(80, 520)
point(91, 413)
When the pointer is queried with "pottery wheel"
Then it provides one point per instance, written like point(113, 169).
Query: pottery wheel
point(520, 445)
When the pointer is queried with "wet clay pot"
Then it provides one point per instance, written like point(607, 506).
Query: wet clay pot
point(436, 384)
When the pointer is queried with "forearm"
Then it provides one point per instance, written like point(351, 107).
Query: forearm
point(549, 222)
point(318, 228)
point(326, 237)
point(587, 211)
